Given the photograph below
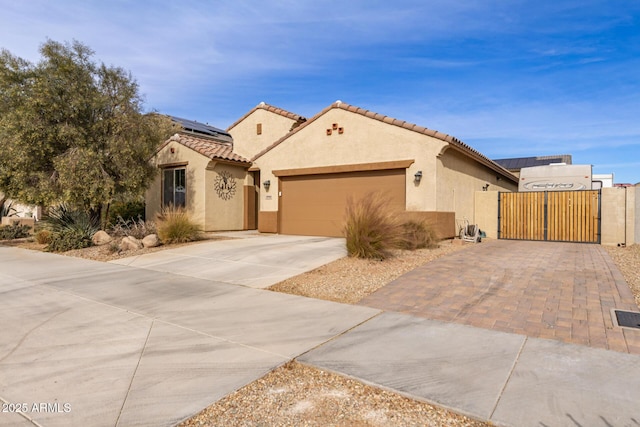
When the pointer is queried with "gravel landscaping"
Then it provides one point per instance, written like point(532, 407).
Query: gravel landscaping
point(299, 395)
point(628, 261)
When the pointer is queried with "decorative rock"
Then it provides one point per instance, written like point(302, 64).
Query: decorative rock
point(151, 241)
point(130, 243)
point(101, 238)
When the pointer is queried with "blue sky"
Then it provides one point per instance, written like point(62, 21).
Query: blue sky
point(510, 78)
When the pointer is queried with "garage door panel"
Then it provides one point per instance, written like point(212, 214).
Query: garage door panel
point(315, 204)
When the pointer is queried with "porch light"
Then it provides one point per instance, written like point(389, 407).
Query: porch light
point(267, 184)
point(418, 176)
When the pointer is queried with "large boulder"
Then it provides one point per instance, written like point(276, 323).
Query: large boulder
point(151, 241)
point(101, 238)
point(130, 243)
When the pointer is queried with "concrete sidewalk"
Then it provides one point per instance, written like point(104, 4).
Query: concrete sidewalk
point(507, 379)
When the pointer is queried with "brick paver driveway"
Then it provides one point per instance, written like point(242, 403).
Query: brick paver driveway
point(562, 291)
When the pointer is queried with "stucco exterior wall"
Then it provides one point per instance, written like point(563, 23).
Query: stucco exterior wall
point(486, 212)
point(363, 140)
point(223, 214)
point(204, 205)
point(247, 142)
point(195, 165)
point(459, 178)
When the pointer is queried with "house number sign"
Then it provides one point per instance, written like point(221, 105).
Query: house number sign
point(225, 185)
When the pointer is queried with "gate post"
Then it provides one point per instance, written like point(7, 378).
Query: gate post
point(546, 215)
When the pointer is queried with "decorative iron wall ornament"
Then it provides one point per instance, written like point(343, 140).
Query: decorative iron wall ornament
point(225, 185)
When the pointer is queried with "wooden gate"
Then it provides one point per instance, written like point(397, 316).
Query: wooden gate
point(558, 216)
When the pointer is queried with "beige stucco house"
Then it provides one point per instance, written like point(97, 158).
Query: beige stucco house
point(202, 174)
point(293, 175)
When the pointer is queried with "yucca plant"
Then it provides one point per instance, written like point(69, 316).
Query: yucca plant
point(70, 228)
point(174, 225)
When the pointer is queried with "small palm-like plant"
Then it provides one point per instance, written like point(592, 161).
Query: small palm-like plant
point(70, 228)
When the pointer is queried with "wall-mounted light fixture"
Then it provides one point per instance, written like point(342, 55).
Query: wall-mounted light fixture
point(418, 176)
point(266, 185)
point(485, 187)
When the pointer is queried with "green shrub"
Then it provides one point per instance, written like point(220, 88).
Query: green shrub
point(175, 226)
point(68, 239)
point(14, 231)
point(417, 235)
point(43, 237)
point(371, 228)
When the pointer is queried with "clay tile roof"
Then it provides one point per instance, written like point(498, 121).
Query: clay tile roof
point(454, 142)
point(209, 148)
point(272, 109)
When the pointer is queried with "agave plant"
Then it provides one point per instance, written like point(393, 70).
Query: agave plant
point(70, 228)
point(7, 209)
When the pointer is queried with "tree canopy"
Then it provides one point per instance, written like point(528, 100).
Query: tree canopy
point(72, 130)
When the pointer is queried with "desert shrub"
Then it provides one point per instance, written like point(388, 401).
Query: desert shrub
point(371, 228)
point(130, 211)
point(14, 231)
point(114, 247)
point(70, 228)
point(43, 237)
point(175, 226)
point(137, 228)
point(68, 239)
point(417, 235)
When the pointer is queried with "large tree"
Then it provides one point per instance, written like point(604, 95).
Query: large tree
point(72, 130)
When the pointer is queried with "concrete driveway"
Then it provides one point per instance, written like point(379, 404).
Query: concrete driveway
point(86, 343)
point(254, 260)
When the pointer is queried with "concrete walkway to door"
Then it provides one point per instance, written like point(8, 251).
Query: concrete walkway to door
point(560, 291)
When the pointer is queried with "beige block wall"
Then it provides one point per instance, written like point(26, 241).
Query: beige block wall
point(246, 141)
point(364, 140)
point(486, 212)
point(458, 180)
point(636, 212)
point(618, 215)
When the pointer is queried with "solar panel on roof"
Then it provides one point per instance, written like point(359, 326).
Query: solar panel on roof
point(201, 128)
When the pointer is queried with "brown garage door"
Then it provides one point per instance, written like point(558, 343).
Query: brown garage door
point(314, 205)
